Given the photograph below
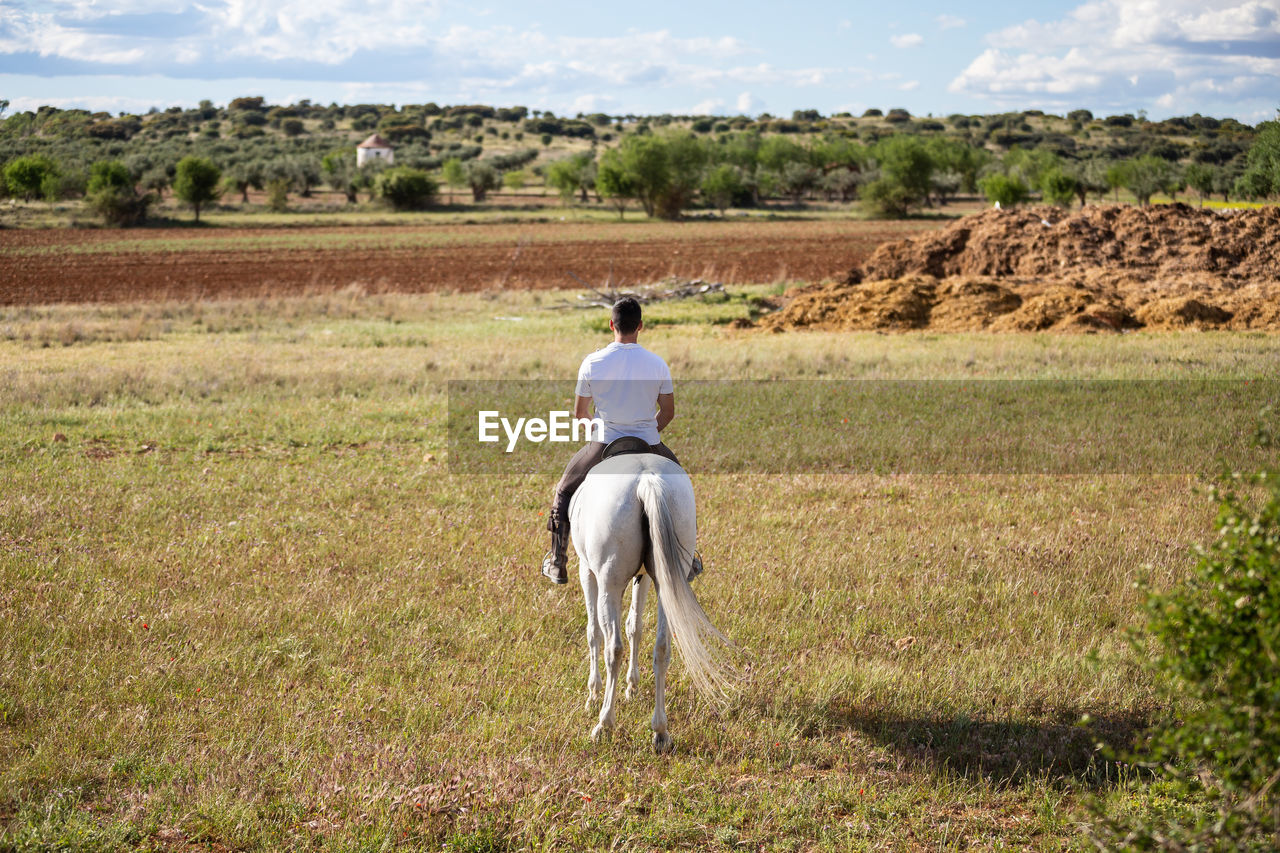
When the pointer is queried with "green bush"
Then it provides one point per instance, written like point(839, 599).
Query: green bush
point(112, 195)
point(1005, 190)
point(1217, 639)
point(278, 195)
point(887, 197)
point(25, 177)
point(407, 189)
point(1058, 187)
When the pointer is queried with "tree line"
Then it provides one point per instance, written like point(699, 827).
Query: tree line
point(893, 168)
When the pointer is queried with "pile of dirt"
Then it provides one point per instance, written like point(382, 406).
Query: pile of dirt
point(1101, 268)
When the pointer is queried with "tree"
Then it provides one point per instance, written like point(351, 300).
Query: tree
point(455, 174)
point(303, 173)
point(1031, 164)
point(343, 175)
point(407, 189)
point(644, 162)
point(26, 176)
point(111, 194)
point(574, 174)
point(196, 182)
point(1149, 175)
point(721, 185)
point(888, 198)
point(1261, 177)
point(686, 157)
point(1058, 187)
point(797, 179)
point(1005, 190)
point(907, 167)
point(1199, 177)
point(514, 180)
point(482, 177)
point(1115, 178)
point(243, 175)
point(613, 182)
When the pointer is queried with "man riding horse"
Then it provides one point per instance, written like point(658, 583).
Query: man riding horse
point(632, 392)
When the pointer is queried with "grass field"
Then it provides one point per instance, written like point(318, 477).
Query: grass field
point(249, 605)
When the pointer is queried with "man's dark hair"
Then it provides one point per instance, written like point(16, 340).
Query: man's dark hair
point(626, 315)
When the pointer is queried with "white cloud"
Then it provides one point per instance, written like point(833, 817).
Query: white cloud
point(909, 86)
point(1128, 53)
point(906, 40)
point(591, 103)
point(949, 22)
point(747, 104)
point(709, 107)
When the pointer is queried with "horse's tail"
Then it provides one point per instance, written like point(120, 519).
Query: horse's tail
point(702, 647)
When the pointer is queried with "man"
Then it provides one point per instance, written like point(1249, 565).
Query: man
point(632, 392)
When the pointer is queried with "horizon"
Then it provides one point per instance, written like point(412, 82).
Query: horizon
point(1111, 57)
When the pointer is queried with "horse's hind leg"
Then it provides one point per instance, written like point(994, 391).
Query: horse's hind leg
point(591, 594)
point(635, 619)
point(662, 741)
point(609, 619)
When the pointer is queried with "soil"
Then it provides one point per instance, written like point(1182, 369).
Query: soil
point(38, 267)
point(1105, 268)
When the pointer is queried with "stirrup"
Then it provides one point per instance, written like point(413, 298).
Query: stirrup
point(552, 572)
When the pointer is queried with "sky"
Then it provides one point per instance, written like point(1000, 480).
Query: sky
point(1172, 57)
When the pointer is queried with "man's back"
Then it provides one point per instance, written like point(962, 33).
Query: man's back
point(624, 381)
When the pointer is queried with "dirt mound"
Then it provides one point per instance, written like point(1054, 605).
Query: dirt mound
point(1103, 268)
point(1171, 239)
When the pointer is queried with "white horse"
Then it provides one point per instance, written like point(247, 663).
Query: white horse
point(635, 513)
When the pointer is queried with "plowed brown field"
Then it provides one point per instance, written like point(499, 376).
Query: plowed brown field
point(173, 263)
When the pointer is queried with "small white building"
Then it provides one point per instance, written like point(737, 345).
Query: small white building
point(374, 148)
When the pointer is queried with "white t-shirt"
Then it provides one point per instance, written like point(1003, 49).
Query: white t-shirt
point(624, 381)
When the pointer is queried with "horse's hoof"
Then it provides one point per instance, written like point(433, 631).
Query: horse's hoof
point(599, 733)
point(663, 743)
point(631, 691)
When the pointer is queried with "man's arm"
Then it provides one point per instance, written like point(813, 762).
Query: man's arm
point(666, 409)
point(581, 408)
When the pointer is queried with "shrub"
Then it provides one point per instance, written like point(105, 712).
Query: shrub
point(1058, 187)
point(1216, 639)
point(407, 189)
point(111, 194)
point(1005, 190)
point(278, 194)
point(25, 176)
point(887, 197)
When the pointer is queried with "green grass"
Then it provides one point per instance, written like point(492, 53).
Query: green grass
point(247, 604)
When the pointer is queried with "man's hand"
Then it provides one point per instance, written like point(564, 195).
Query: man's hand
point(666, 409)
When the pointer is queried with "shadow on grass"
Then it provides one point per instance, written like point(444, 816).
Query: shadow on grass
point(1005, 752)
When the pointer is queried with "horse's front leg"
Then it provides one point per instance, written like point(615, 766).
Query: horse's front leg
point(609, 619)
point(591, 594)
point(635, 620)
point(662, 741)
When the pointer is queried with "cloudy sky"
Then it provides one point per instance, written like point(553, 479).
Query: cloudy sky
point(1168, 57)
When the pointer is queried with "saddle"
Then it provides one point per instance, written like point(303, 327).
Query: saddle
point(624, 445)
